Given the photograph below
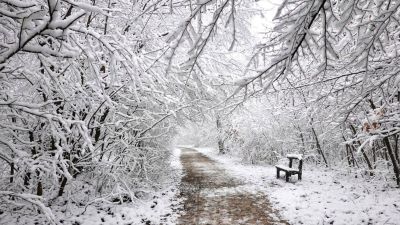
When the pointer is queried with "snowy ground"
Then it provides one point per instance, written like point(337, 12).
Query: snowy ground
point(158, 207)
point(322, 197)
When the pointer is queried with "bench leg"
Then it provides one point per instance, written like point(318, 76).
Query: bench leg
point(277, 174)
point(299, 176)
point(287, 176)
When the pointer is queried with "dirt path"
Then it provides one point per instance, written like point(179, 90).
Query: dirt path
point(214, 197)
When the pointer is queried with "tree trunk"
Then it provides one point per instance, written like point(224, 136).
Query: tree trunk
point(62, 186)
point(374, 147)
point(106, 20)
point(90, 15)
point(350, 149)
point(220, 141)
point(396, 147)
point(319, 149)
point(27, 179)
point(393, 159)
point(362, 151)
point(39, 188)
point(12, 170)
point(27, 176)
point(348, 155)
point(302, 141)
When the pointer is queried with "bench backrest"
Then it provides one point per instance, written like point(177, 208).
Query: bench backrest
point(291, 157)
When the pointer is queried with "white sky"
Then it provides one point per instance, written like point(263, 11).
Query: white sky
point(264, 19)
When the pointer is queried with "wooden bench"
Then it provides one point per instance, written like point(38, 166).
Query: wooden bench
point(289, 170)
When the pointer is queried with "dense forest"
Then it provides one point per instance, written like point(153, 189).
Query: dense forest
point(94, 93)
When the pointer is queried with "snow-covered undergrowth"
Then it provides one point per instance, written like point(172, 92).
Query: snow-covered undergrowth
point(324, 196)
point(157, 206)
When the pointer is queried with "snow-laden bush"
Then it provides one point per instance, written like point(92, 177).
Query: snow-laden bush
point(78, 104)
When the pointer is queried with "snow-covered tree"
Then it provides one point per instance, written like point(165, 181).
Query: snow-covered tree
point(338, 60)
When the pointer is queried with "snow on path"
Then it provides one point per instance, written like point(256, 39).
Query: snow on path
point(214, 197)
point(323, 196)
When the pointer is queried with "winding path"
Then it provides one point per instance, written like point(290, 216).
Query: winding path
point(214, 197)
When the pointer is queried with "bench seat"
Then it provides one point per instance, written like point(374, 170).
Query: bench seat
point(286, 168)
point(289, 170)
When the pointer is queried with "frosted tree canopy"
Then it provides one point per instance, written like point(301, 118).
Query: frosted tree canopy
point(95, 92)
